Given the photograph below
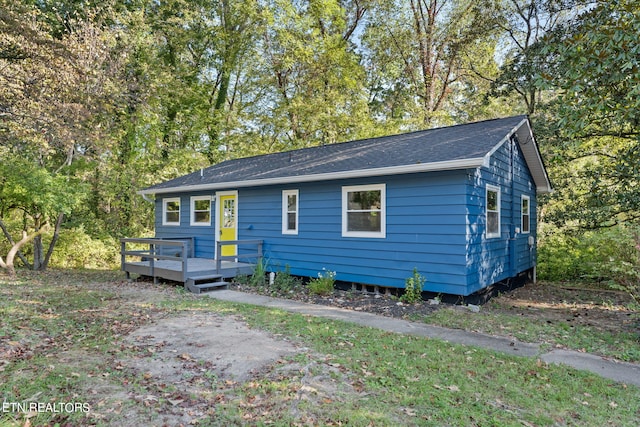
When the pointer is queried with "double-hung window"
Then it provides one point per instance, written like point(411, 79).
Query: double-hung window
point(526, 214)
point(201, 210)
point(493, 211)
point(290, 211)
point(171, 211)
point(364, 211)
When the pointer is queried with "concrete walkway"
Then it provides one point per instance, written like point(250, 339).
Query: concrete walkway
point(627, 373)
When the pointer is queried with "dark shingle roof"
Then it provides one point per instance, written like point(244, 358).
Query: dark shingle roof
point(449, 147)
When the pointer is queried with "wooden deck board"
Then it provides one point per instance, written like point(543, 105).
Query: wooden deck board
point(196, 267)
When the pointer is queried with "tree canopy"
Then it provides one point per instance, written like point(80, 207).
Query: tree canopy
point(100, 99)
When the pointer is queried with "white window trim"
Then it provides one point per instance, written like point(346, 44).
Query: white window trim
point(497, 190)
point(164, 211)
point(285, 211)
point(522, 223)
point(193, 222)
point(383, 211)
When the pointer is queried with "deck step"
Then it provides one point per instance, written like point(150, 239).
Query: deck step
point(198, 284)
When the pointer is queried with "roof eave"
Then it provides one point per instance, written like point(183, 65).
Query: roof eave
point(531, 154)
point(471, 163)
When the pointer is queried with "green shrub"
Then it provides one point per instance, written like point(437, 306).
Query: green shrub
point(258, 278)
point(413, 288)
point(284, 281)
point(77, 249)
point(608, 256)
point(589, 255)
point(323, 284)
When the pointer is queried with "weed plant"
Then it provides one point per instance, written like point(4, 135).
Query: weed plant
point(284, 281)
point(259, 276)
point(323, 284)
point(413, 288)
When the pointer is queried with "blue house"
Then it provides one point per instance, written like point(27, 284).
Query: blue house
point(456, 203)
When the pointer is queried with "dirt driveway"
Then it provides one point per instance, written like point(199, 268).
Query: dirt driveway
point(184, 362)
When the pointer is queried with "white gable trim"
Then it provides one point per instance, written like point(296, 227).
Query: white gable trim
point(529, 148)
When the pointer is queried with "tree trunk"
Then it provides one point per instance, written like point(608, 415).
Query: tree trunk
point(52, 244)
point(8, 264)
point(11, 242)
point(37, 253)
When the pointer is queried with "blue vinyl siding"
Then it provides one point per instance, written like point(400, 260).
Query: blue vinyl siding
point(435, 222)
point(204, 235)
point(491, 260)
point(424, 230)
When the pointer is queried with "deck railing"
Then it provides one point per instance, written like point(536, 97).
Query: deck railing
point(257, 255)
point(157, 251)
point(176, 249)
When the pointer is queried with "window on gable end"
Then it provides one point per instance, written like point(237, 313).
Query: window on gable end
point(493, 211)
point(526, 214)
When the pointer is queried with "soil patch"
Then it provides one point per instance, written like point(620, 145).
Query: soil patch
point(224, 347)
point(606, 310)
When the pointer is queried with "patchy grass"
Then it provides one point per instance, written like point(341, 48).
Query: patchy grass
point(63, 330)
point(414, 381)
point(578, 317)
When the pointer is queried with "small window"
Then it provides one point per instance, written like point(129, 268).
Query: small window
point(290, 212)
point(171, 211)
point(201, 210)
point(229, 213)
point(363, 211)
point(493, 211)
point(526, 215)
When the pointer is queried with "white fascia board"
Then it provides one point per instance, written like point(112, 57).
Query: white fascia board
point(503, 141)
point(360, 173)
point(531, 156)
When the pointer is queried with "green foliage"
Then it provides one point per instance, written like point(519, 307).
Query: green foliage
point(323, 284)
point(594, 61)
point(607, 256)
point(314, 75)
point(284, 281)
point(259, 276)
point(413, 288)
point(592, 124)
point(423, 58)
point(78, 250)
point(103, 100)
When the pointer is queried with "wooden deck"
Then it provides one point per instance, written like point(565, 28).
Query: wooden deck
point(172, 270)
point(196, 274)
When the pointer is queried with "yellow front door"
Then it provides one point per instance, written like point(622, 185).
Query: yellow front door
point(228, 219)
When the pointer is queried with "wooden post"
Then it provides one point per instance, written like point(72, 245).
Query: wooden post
point(219, 257)
point(123, 258)
point(152, 258)
point(184, 261)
